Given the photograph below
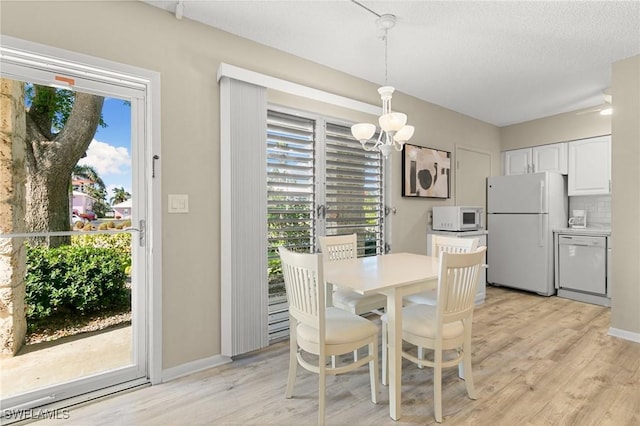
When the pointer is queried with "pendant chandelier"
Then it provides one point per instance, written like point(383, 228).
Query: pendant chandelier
point(394, 129)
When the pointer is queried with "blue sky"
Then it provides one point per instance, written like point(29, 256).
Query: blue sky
point(110, 151)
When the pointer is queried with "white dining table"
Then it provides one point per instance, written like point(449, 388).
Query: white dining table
point(395, 275)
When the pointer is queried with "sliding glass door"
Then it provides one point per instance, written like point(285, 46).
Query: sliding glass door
point(319, 182)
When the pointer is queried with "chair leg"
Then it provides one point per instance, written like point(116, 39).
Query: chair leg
point(355, 356)
point(321, 396)
point(373, 370)
point(385, 356)
point(466, 361)
point(420, 355)
point(437, 385)
point(293, 360)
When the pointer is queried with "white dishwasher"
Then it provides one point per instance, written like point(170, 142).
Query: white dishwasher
point(582, 264)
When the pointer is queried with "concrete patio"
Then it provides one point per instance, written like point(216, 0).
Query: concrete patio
point(44, 364)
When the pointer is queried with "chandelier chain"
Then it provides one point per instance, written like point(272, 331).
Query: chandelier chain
point(386, 57)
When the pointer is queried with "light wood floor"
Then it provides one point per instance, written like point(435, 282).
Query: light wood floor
point(536, 361)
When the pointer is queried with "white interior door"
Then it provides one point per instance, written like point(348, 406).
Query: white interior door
point(473, 167)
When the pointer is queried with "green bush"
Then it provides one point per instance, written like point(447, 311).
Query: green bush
point(119, 242)
point(76, 278)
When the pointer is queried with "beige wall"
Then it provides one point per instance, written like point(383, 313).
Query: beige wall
point(557, 128)
point(187, 55)
point(625, 205)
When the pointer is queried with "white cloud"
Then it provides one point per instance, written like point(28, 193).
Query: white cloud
point(107, 159)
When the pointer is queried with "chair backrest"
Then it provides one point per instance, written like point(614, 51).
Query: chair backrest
point(457, 284)
point(440, 243)
point(304, 283)
point(339, 247)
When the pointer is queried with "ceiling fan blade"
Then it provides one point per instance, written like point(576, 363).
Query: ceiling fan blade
point(589, 111)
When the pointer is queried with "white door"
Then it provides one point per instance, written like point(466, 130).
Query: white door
point(76, 370)
point(518, 251)
point(472, 170)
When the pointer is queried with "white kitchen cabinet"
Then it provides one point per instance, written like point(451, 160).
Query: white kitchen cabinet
point(550, 158)
point(517, 161)
point(544, 158)
point(590, 166)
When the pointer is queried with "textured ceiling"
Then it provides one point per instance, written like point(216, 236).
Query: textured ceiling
point(500, 62)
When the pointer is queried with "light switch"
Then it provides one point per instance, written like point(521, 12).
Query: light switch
point(178, 203)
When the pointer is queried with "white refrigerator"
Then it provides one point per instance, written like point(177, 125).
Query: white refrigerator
point(522, 211)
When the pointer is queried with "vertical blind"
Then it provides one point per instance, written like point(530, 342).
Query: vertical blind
point(243, 218)
point(311, 161)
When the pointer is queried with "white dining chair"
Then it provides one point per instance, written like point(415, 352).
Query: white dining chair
point(322, 331)
point(445, 326)
point(338, 247)
point(439, 244)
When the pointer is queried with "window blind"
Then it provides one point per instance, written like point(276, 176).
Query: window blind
point(291, 202)
point(354, 193)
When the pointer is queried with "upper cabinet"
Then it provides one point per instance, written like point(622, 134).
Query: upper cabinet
point(545, 158)
point(516, 162)
point(590, 166)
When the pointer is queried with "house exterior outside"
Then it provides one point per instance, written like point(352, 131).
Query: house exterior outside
point(81, 203)
point(122, 210)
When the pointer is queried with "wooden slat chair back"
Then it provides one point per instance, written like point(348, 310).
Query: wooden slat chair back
point(340, 247)
point(320, 330)
point(445, 326)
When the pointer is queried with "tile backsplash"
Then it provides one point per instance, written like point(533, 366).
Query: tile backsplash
point(598, 208)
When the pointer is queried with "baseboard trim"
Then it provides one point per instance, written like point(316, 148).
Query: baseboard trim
point(624, 334)
point(194, 367)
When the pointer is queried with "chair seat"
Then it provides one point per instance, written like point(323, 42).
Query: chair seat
point(358, 303)
point(341, 327)
point(424, 298)
point(421, 320)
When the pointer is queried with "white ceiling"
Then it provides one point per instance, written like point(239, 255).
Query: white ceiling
point(501, 62)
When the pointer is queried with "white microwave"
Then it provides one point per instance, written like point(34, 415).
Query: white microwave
point(457, 218)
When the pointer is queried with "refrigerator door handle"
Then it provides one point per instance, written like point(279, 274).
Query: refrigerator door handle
point(541, 197)
point(540, 230)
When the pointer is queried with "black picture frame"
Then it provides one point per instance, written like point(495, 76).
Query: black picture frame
point(426, 172)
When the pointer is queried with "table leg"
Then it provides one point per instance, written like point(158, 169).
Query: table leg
point(394, 317)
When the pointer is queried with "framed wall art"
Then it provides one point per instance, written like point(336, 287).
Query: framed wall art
point(426, 172)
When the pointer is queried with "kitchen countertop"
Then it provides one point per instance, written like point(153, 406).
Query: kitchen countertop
point(584, 231)
point(474, 232)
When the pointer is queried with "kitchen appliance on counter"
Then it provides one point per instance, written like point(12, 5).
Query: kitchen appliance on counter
point(522, 212)
point(578, 219)
point(456, 218)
